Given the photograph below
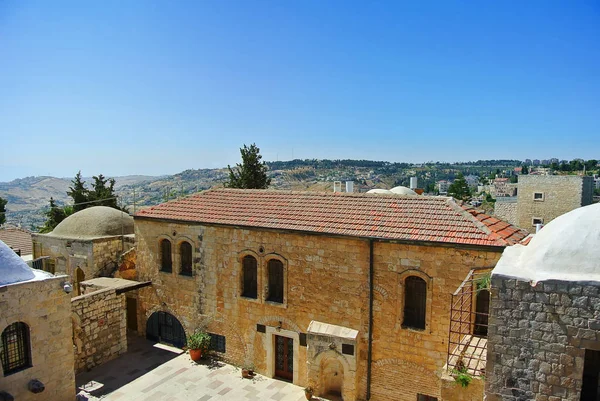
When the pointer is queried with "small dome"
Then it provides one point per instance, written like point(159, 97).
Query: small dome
point(567, 248)
point(97, 221)
point(400, 190)
point(380, 191)
point(12, 268)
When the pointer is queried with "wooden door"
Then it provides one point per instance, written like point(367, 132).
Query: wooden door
point(284, 358)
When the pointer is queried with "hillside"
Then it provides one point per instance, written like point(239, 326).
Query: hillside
point(28, 197)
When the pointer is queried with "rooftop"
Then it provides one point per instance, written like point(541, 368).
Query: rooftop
point(18, 239)
point(394, 217)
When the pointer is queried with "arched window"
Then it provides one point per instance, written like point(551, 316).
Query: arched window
point(185, 250)
point(275, 268)
point(16, 350)
point(415, 301)
point(249, 267)
point(166, 263)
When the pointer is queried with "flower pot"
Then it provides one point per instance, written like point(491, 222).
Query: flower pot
point(308, 395)
point(246, 373)
point(196, 354)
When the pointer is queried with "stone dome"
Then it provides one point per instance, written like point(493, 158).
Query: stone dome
point(400, 190)
point(380, 191)
point(97, 221)
point(567, 248)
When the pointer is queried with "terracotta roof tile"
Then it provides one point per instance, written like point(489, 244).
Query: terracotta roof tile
point(422, 218)
point(17, 239)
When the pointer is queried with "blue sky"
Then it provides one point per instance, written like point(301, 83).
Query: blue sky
point(156, 87)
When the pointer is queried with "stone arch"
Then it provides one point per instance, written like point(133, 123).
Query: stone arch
point(335, 376)
point(79, 276)
point(165, 327)
point(400, 299)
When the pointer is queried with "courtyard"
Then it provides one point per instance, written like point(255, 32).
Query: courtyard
point(156, 372)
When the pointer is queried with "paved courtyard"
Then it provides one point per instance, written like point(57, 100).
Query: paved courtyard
point(153, 372)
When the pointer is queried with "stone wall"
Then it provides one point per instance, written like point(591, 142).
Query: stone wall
point(561, 194)
point(46, 309)
point(107, 252)
point(506, 209)
point(537, 338)
point(327, 280)
point(99, 328)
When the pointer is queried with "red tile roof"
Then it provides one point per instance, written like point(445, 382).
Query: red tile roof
point(415, 218)
point(17, 238)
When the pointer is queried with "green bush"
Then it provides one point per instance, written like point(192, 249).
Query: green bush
point(199, 340)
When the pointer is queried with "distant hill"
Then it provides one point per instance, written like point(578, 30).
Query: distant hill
point(28, 197)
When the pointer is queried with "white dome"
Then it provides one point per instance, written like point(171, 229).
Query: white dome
point(12, 268)
point(400, 190)
point(567, 248)
point(380, 191)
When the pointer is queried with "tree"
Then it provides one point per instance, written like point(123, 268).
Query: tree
point(459, 189)
point(252, 173)
point(79, 193)
point(524, 170)
point(54, 216)
point(103, 194)
point(3, 203)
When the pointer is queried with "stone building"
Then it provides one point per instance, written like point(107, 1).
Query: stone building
point(36, 348)
point(544, 326)
point(348, 293)
point(86, 244)
point(18, 239)
point(502, 187)
point(542, 198)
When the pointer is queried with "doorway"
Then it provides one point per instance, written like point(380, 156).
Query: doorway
point(591, 370)
point(132, 314)
point(165, 328)
point(284, 358)
point(482, 313)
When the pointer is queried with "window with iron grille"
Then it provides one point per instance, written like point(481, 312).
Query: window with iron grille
point(275, 281)
point(249, 267)
point(166, 263)
point(217, 342)
point(185, 250)
point(423, 397)
point(415, 300)
point(16, 350)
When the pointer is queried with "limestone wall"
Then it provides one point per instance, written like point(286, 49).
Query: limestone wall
point(106, 254)
point(99, 328)
point(66, 254)
point(537, 338)
point(46, 309)
point(561, 194)
point(506, 209)
point(327, 279)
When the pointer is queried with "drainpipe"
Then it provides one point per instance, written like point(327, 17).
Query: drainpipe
point(370, 344)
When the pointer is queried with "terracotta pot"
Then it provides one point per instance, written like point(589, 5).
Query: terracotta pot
point(308, 395)
point(196, 354)
point(246, 373)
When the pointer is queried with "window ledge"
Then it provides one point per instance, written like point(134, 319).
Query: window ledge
point(278, 304)
point(250, 299)
point(415, 329)
point(166, 271)
point(186, 276)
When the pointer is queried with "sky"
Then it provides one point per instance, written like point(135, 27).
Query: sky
point(157, 87)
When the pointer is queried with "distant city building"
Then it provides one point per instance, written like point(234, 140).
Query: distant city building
point(472, 181)
point(442, 186)
point(528, 162)
point(536, 162)
point(502, 187)
point(554, 160)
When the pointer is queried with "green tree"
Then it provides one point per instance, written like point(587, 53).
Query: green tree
point(459, 189)
point(252, 173)
point(79, 193)
point(3, 203)
point(54, 216)
point(524, 169)
point(103, 192)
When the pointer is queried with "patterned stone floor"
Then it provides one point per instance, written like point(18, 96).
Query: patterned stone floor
point(148, 373)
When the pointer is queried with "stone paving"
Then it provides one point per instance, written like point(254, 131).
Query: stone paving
point(149, 372)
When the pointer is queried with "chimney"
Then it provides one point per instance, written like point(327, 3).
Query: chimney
point(413, 183)
point(337, 186)
point(349, 186)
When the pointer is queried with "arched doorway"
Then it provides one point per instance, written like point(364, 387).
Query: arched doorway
point(165, 328)
point(482, 312)
point(79, 277)
point(332, 379)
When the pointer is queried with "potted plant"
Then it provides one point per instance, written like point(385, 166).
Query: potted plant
point(308, 392)
point(248, 371)
point(198, 344)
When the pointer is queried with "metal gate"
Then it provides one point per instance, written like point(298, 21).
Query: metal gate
point(165, 328)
